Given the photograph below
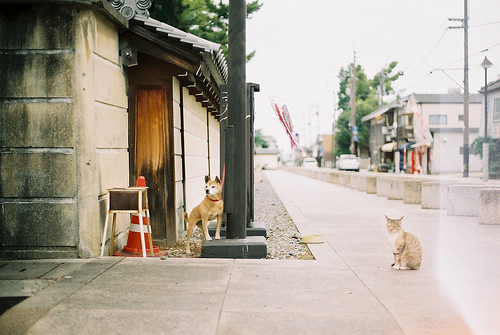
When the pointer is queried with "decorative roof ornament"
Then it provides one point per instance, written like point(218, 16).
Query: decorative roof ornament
point(130, 8)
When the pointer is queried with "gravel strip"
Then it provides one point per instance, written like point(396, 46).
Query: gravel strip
point(283, 238)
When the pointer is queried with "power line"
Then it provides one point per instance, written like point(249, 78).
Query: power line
point(484, 24)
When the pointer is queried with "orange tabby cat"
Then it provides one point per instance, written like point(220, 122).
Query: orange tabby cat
point(406, 247)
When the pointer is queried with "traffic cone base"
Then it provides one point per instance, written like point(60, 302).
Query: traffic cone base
point(134, 243)
point(156, 250)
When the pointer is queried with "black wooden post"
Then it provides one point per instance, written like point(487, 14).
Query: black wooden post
point(251, 88)
point(236, 155)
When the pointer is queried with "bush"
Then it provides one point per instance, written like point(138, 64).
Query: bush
point(493, 157)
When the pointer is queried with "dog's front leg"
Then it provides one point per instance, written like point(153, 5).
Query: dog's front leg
point(188, 235)
point(219, 224)
point(204, 225)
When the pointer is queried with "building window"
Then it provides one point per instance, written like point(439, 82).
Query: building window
point(496, 110)
point(438, 119)
point(461, 117)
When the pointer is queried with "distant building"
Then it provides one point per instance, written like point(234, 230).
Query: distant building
point(266, 158)
point(423, 133)
point(328, 148)
point(493, 110)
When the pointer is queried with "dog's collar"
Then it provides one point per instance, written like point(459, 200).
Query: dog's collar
point(214, 200)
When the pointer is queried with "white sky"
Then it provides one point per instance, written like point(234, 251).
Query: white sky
point(301, 46)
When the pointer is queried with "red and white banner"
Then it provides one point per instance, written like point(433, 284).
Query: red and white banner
point(286, 121)
point(422, 134)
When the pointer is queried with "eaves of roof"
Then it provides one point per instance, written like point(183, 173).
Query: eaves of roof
point(395, 104)
point(210, 52)
point(450, 98)
point(492, 86)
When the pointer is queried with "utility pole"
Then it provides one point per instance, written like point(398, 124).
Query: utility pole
point(465, 26)
point(353, 105)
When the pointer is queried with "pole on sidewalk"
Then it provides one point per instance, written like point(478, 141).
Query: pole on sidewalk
point(236, 152)
point(237, 160)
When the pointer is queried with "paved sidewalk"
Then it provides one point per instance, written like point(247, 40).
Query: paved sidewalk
point(349, 289)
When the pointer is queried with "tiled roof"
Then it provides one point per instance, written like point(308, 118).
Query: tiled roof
point(211, 52)
point(136, 11)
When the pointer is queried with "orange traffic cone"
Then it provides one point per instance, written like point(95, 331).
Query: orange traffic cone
point(134, 245)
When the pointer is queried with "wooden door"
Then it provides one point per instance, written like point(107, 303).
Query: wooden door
point(152, 153)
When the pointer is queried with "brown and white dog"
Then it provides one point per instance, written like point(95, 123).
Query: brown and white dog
point(209, 209)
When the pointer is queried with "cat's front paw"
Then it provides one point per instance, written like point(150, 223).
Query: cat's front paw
point(395, 267)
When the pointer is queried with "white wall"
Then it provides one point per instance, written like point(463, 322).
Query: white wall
point(202, 151)
point(449, 138)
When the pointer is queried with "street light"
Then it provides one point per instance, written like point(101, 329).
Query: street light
point(485, 65)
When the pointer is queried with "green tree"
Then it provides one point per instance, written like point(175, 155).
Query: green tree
point(493, 155)
point(259, 140)
point(384, 79)
point(202, 18)
point(367, 101)
point(170, 12)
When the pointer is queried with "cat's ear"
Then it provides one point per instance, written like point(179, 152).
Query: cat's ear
point(401, 218)
point(386, 217)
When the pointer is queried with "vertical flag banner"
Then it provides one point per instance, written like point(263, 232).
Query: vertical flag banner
point(286, 121)
point(422, 133)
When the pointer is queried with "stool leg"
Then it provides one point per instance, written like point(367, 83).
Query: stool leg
point(113, 235)
point(148, 223)
point(104, 234)
point(143, 242)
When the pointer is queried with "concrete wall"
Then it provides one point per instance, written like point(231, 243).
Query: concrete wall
point(489, 212)
point(63, 129)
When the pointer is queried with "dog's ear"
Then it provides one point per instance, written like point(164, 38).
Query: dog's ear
point(217, 180)
point(207, 178)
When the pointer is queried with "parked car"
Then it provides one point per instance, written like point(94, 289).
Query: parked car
point(309, 162)
point(348, 162)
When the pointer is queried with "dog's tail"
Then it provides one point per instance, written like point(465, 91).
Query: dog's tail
point(186, 216)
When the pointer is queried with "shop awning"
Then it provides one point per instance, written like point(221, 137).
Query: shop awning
point(418, 145)
point(405, 145)
point(388, 147)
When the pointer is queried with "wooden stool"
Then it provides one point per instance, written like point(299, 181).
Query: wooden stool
point(128, 200)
